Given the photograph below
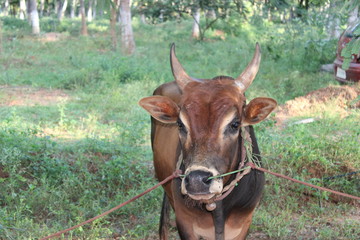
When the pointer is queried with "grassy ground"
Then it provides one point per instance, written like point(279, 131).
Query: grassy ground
point(74, 142)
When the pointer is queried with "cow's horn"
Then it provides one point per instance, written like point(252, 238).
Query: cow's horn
point(247, 76)
point(178, 71)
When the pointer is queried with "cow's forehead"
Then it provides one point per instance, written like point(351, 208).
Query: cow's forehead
point(214, 95)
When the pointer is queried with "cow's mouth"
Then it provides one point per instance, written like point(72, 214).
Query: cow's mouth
point(201, 197)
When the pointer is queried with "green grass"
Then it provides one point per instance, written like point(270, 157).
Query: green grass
point(63, 162)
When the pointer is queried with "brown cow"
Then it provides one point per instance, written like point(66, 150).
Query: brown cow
point(196, 127)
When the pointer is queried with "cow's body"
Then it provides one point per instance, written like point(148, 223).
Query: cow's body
point(204, 143)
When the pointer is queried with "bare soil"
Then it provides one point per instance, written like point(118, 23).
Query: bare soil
point(29, 96)
point(338, 99)
point(51, 37)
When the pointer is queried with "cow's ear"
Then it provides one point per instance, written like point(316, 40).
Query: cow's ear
point(161, 108)
point(257, 110)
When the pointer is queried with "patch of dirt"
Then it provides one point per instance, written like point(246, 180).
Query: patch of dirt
point(3, 174)
point(335, 99)
point(343, 94)
point(315, 169)
point(51, 37)
point(29, 96)
point(220, 34)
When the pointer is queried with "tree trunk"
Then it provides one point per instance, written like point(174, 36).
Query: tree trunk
point(42, 6)
point(161, 16)
point(6, 8)
point(269, 15)
point(90, 11)
point(196, 25)
point(56, 6)
point(1, 38)
point(119, 13)
point(62, 9)
point(101, 9)
point(73, 9)
point(283, 15)
point(47, 8)
point(84, 31)
point(143, 18)
point(113, 10)
point(334, 30)
point(22, 10)
point(94, 9)
point(292, 13)
point(210, 14)
point(307, 5)
point(127, 35)
point(353, 15)
point(34, 16)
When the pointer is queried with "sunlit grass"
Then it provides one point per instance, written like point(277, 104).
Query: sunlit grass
point(73, 158)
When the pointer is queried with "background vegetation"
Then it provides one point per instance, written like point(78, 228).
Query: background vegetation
point(74, 142)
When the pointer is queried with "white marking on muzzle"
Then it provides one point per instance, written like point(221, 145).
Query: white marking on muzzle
point(215, 188)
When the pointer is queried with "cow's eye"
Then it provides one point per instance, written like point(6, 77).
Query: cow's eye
point(234, 126)
point(181, 126)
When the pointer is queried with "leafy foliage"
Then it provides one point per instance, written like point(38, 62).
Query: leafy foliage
point(352, 49)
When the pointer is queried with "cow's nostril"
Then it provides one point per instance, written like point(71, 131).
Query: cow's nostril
point(198, 182)
point(207, 180)
point(186, 179)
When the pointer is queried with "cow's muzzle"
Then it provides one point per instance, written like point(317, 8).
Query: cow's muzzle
point(199, 183)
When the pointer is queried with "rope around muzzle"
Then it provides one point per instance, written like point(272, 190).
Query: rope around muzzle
point(246, 152)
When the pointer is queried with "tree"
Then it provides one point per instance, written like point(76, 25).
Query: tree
point(34, 16)
point(196, 25)
point(73, 8)
point(22, 10)
point(127, 35)
point(42, 6)
point(90, 10)
point(333, 25)
point(83, 31)
point(100, 6)
point(6, 8)
point(164, 10)
point(62, 9)
point(113, 10)
point(353, 16)
point(353, 8)
point(56, 6)
point(219, 7)
point(1, 38)
point(94, 9)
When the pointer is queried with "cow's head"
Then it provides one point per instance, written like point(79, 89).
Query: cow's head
point(209, 117)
